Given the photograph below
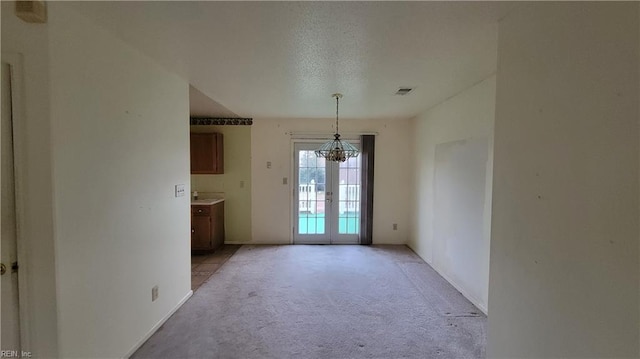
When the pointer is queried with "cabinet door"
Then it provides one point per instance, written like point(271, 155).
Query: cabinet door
point(217, 219)
point(207, 155)
point(200, 232)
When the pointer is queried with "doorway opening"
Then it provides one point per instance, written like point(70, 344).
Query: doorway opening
point(12, 283)
point(326, 200)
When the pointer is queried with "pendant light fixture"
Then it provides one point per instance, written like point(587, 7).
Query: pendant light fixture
point(337, 150)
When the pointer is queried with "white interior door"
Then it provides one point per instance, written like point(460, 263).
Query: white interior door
point(9, 314)
point(326, 200)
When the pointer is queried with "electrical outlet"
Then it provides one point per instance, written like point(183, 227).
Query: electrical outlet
point(395, 226)
point(179, 190)
point(154, 293)
point(268, 164)
point(241, 184)
point(285, 180)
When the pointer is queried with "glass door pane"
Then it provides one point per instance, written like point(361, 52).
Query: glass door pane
point(346, 200)
point(349, 197)
point(311, 193)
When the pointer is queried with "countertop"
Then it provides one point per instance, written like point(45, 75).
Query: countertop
point(206, 202)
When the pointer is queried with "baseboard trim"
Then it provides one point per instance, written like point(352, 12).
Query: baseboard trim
point(258, 243)
point(237, 242)
point(158, 325)
point(470, 298)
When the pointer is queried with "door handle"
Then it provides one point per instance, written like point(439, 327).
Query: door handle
point(3, 269)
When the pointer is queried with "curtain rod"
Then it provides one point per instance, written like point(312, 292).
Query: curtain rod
point(320, 135)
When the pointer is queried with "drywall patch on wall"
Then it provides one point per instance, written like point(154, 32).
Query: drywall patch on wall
point(468, 116)
point(460, 174)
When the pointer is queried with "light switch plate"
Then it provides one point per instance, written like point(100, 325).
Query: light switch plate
point(154, 293)
point(179, 190)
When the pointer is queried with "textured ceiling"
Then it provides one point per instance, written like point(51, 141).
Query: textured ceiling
point(285, 59)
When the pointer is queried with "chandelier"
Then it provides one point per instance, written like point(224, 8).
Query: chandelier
point(337, 150)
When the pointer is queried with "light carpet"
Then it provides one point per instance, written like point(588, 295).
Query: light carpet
point(318, 301)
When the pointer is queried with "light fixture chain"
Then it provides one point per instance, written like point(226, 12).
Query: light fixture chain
point(336, 150)
point(337, 105)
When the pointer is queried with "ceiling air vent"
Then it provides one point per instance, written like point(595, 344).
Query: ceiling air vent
point(403, 91)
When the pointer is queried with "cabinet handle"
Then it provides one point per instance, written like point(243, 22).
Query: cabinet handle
point(199, 211)
point(193, 230)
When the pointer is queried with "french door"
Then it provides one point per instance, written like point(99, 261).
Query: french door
point(326, 200)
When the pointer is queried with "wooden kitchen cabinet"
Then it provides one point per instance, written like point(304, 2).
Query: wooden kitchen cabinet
point(207, 154)
point(207, 227)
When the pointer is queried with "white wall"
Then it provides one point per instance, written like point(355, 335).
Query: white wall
point(466, 117)
point(120, 139)
point(34, 195)
point(271, 200)
point(564, 247)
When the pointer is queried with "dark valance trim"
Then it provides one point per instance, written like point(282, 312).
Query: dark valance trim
point(220, 121)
